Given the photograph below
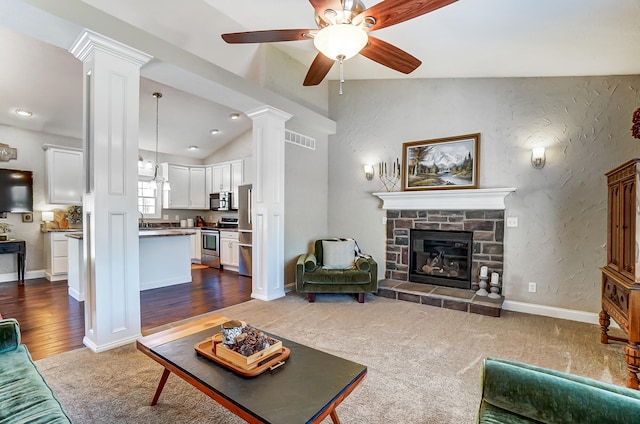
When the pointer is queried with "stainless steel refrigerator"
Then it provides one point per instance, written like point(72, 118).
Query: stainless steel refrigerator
point(245, 203)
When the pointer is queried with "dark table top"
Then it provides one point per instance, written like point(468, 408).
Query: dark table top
point(297, 392)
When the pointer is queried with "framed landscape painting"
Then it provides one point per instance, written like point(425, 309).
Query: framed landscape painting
point(443, 163)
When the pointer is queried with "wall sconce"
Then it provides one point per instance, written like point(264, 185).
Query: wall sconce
point(368, 172)
point(538, 157)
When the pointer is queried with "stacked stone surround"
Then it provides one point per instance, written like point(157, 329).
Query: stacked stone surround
point(488, 238)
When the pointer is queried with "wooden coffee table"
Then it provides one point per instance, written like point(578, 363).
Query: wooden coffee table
point(306, 389)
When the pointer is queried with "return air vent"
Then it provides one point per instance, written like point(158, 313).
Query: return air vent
point(299, 139)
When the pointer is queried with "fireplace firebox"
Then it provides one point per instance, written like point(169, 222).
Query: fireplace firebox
point(441, 258)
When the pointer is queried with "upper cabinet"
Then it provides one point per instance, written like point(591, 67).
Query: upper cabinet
point(64, 177)
point(187, 187)
point(198, 198)
point(221, 177)
point(191, 185)
point(237, 169)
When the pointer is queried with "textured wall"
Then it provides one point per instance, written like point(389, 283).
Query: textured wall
point(583, 122)
point(306, 192)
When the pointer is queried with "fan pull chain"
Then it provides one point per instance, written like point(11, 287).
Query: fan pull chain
point(341, 59)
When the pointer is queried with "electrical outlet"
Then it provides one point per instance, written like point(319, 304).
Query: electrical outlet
point(177, 217)
point(533, 287)
point(512, 222)
point(165, 217)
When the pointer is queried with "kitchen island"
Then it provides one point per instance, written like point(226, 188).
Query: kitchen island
point(165, 260)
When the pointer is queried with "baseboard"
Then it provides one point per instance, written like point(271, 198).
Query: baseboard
point(172, 281)
point(28, 275)
point(553, 312)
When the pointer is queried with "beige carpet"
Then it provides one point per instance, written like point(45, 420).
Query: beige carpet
point(424, 362)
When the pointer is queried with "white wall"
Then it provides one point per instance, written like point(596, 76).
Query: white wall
point(306, 191)
point(30, 158)
point(583, 121)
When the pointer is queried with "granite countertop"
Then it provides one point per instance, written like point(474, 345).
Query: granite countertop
point(62, 230)
point(150, 233)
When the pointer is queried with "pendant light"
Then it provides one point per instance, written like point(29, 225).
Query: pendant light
point(157, 179)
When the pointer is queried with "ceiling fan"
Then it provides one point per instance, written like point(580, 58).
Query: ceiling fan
point(343, 27)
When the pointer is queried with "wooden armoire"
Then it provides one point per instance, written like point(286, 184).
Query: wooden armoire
point(621, 275)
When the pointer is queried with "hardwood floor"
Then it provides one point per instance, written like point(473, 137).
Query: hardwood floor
point(52, 322)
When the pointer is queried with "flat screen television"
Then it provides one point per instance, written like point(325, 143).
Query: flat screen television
point(16, 190)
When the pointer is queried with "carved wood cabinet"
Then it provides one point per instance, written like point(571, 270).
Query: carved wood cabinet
point(621, 275)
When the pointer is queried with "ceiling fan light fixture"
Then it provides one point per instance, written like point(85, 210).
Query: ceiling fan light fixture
point(344, 40)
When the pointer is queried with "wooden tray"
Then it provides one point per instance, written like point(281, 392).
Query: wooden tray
point(269, 362)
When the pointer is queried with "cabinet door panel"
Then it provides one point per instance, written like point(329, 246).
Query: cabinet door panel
point(179, 193)
point(197, 188)
point(64, 176)
point(59, 248)
point(60, 265)
point(613, 233)
point(628, 228)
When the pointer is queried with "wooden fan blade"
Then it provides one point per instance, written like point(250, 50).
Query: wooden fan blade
point(268, 36)
point(318, 70)
point(321, 5)
point(390, 56)
point(391, 12)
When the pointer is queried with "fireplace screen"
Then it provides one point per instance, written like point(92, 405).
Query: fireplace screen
point(442, 258)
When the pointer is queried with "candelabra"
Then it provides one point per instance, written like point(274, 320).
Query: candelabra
point(390, 181)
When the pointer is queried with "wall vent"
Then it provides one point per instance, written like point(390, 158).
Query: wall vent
point(299, 139)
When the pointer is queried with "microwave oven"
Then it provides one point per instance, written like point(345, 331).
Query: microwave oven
point(220, 201)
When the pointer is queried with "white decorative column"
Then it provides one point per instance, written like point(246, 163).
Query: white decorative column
point(268, 203)
point(111, 74)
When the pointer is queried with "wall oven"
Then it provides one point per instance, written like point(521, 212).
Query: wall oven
point(211, 248)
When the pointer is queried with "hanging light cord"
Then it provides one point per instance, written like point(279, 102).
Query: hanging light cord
point(341, 59)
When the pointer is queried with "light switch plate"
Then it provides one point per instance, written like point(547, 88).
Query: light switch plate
point(512, 222)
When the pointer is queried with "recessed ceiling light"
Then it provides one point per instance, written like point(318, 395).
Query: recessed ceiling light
point(234, 116)
point(23, 112)
point(214, 131)
point(192, 147)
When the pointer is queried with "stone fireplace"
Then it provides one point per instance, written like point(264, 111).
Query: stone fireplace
point(483, 229)
point(436, 242)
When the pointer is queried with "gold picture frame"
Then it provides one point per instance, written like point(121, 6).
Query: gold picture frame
point(441, 164)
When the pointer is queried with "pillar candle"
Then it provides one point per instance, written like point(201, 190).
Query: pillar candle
point(494, 278)
point(483, 271)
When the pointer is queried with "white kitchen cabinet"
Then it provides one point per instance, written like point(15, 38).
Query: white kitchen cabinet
point(197, 188)
point(208, 180)
point(188, 187)
point(56, 255)
point(236, 180)
point(64, 175)
point(221, 177)
point(196, 247)
point(178, 196)
point(229, 254)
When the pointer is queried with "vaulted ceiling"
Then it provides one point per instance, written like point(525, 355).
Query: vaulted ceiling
point(469, 38)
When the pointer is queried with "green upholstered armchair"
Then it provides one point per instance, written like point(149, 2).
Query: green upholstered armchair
point(513, 392)
point(336, 266)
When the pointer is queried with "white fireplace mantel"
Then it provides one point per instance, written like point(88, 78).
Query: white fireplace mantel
point(467, 199)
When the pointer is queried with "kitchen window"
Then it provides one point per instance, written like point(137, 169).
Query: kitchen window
point(149, 199)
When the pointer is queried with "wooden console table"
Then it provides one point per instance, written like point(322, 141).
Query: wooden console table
point(19, 247)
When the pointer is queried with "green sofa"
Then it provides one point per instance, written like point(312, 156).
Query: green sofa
point(312, 277)
point(513, 392)
point(24, 395)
